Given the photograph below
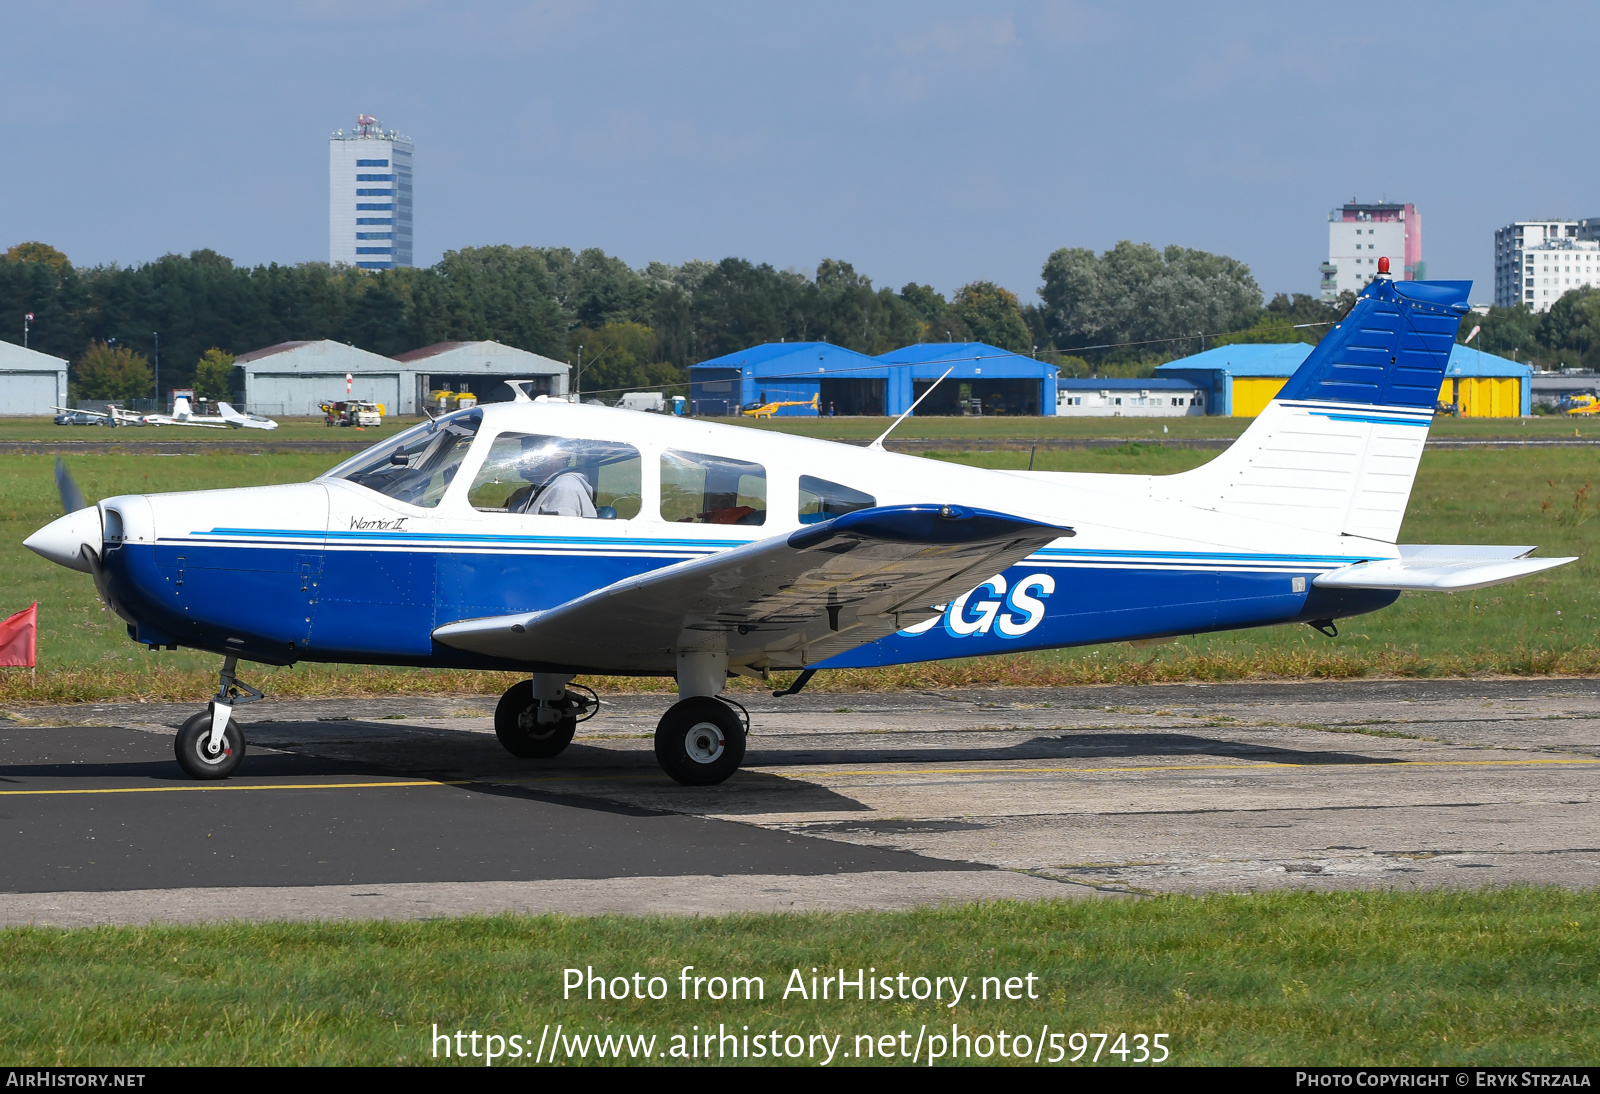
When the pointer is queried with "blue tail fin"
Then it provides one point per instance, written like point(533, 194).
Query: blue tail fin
point(1345, 472)
point(1391, 350)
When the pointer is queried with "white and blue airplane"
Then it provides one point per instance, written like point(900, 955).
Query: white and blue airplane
point(559, 540)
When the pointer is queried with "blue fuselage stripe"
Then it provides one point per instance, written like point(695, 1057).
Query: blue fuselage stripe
point(579, 545)
point(373, 605)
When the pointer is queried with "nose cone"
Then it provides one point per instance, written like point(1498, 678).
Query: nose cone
point(62, 540)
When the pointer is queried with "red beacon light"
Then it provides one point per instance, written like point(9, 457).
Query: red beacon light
point(1383, 265)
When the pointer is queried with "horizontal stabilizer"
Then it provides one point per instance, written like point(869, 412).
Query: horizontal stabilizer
point(784, 602)
point(1440, 568)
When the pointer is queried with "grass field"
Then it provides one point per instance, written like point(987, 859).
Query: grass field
point(1546, 624)
point(1023, 430)
point(970, 431)
point(1508, 976)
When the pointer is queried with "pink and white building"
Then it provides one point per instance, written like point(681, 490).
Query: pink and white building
point(1359, 235)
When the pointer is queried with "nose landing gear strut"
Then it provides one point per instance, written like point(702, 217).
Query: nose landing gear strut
point(210, 745)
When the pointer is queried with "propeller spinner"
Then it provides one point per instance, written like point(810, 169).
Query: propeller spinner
point(63, 540)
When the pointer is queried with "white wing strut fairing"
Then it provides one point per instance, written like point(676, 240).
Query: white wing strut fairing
point(785, 602)
point(1440, 569)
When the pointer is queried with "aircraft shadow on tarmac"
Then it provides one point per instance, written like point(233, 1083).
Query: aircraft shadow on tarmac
point(612, 779)
point(1074, 746)
point(427, 748)
point(584, 771)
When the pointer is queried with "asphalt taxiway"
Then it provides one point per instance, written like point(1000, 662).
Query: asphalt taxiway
point(407, 807)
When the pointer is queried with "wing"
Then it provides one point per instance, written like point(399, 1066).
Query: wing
point(785, 602)
point(1440, 568)
point(70, 410)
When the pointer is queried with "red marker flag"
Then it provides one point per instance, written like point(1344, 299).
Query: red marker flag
point(19, 637)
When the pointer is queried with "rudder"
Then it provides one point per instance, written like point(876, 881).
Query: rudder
point(1391, 350)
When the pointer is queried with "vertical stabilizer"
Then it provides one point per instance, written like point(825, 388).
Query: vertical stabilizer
point(1337, 450)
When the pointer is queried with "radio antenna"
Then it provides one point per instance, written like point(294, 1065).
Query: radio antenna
point(878, 444)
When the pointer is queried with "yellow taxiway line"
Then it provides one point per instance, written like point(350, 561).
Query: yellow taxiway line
point(1178, 767)
point(797, 774)
point(240, 786)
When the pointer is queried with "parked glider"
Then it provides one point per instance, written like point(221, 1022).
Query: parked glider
point(182, 414)
point(558, 540)
point(240, 420)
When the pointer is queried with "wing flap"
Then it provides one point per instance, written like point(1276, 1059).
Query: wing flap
point(784, 602)
point(1440, 568)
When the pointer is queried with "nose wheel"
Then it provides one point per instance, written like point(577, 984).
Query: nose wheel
point(197, 755)
point(210, 745)
point(700, 741)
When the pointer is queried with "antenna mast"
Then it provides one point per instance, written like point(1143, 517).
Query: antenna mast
point(878, 444)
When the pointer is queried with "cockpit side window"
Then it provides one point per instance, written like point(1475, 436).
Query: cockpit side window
point(822, 500)
point(418, 466)
point(701, 489)
point(558, 476)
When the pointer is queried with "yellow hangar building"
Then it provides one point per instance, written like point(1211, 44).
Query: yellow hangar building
point(1242, 379)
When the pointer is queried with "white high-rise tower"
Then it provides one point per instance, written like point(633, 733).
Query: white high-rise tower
point(369, 196)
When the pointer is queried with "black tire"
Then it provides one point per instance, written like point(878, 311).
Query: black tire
point(523, 737)
point(191, 742)
point(700, 741)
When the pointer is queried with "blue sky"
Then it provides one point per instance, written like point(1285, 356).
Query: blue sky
point(936, 142)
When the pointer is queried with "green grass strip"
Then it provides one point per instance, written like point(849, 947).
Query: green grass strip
point(1483, 977)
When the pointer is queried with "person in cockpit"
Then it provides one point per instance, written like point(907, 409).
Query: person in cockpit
point(554, 489)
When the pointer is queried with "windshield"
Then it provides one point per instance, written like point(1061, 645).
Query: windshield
point(418, 466)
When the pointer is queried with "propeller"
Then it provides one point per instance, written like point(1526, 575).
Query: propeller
point(71, 496)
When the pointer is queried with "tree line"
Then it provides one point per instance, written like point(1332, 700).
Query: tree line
point(1120, 312)
point(1565, 336)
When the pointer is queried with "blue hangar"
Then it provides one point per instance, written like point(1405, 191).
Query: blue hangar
point(983, 379)
point(1242, 379)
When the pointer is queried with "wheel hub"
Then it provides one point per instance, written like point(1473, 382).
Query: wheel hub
point(209, 757)
point(529, 722)
point(704, 742)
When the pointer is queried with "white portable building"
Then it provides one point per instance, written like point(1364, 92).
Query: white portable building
point(1137, 398)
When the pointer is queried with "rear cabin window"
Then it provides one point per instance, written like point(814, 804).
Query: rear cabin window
point(419, 465)
point(822, 500)
point(701, 489)
point(558, 476)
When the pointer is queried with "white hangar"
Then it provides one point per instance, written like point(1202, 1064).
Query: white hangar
point(30, 382)
point(483, 368)
point(293, 379)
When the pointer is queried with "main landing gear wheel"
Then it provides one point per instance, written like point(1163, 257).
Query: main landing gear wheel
point(516, 723)
point(700, 741)
point(194, 754)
